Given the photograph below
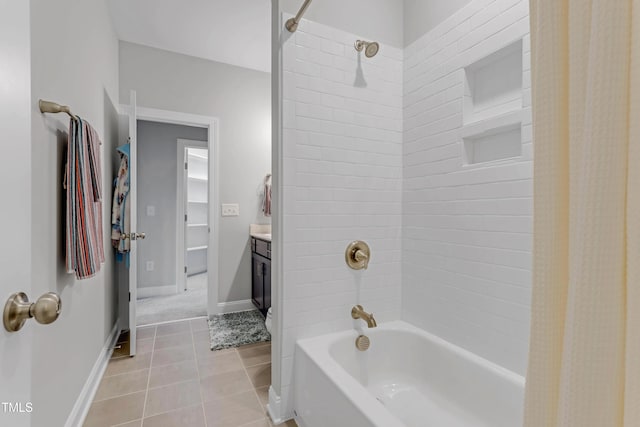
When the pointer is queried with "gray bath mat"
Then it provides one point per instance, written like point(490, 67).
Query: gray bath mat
point(235, 329)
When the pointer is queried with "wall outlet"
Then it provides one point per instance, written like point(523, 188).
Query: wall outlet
point(230, 210)
point(151, 210)
point(150, 266)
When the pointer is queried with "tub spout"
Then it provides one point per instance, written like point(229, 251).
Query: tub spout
point(358, 312)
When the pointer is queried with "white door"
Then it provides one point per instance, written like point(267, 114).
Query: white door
point(15, 173)
point(133, 204)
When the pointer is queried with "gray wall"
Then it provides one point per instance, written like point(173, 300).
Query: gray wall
point(421, 16)
point(75, 62)
point(379, 20)
point(157, 186)
point(240, 98)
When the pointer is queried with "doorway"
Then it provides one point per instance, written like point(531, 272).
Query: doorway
point(173, 210)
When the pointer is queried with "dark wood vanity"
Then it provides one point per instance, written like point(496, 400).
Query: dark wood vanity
point(261, 276)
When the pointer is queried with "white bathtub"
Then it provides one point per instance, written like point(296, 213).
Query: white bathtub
point(407, 378)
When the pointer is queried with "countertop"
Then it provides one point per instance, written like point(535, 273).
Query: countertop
point(262, 236)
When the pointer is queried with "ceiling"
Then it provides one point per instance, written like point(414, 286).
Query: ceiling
point(235, 32)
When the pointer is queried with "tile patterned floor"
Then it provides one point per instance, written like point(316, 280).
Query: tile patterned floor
point(175, 380)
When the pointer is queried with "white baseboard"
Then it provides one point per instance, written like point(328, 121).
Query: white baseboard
point(83, 403)
point(156, 291)
point(274, 407)
point(230, 307)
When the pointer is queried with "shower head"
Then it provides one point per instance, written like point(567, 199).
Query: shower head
point(370, 48)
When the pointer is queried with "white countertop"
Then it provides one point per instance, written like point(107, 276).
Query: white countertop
point(262, 236)
point(260, 231)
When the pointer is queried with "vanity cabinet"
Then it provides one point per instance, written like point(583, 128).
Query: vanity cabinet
point(261, 274)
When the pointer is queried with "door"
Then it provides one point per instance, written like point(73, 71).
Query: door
point(133, 221)
point(15, 258)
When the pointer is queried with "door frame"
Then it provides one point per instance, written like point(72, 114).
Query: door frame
point(212, 126)
point(181, 210)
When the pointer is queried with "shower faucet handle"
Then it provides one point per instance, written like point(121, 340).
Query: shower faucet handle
point(358, 255)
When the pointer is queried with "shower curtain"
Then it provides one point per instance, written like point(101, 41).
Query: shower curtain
point(584, 363)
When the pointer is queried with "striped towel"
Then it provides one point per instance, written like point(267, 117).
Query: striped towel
point(84, 244)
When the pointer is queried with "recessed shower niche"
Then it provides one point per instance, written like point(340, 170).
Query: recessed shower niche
point(492, 106)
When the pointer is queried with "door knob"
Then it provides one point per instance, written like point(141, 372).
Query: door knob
point(18, 310)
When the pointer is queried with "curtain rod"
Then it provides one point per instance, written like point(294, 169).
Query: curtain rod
point(292, 24)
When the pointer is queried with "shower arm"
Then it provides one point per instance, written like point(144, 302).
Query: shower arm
point(292, 23)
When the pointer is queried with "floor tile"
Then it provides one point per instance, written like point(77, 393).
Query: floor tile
point(255, 354)
point(115, 411)
point(174, 373)
point(234, 410)
point(192, 416)
point(117, 385)
point(171, 355)
point(225, 362)
point(263, 394)
point(173, 328)
point(125, 364)
point(145, 332)
point(260, 375)
point(221, 385)
point(199, 325)
point(177, 340)
point(262, 423)
point(136, 423)
point(170, 397)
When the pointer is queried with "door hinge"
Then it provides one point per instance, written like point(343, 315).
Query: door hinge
point(186, 166)
point(185, 269)
point(185, 217)
point(129, 296)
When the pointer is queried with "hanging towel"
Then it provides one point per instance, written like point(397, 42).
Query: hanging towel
point(120, 210)
point(266, 198)
point(84, 241)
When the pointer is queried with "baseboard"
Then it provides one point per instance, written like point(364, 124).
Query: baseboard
point(83, 403)
point(156, 291)
point(230, 307)
point(274, 407)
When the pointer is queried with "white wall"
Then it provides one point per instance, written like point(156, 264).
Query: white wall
point(240, 98)
point(75, 62)
point(342, 178)
point(379, 20)
point(421, 16)
point(467, 230)
point(157, 186)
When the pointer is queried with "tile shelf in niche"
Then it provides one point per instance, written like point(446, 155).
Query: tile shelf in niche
point(492, 140)
point(493, 84)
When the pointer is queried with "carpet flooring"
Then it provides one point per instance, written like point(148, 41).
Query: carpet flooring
point(184, 305)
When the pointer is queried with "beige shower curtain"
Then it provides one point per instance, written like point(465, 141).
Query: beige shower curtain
point(584, 364)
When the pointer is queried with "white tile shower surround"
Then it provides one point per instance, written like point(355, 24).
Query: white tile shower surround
point(342, 141)
point(467, 229)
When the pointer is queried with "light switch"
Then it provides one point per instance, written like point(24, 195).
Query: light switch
point(230, 210)
point(150, 266)
point(151, 210)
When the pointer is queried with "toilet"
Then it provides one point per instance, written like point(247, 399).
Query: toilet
point(267, 321)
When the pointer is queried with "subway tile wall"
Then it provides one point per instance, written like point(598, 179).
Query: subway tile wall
point(342, 142)
point(467, 229)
